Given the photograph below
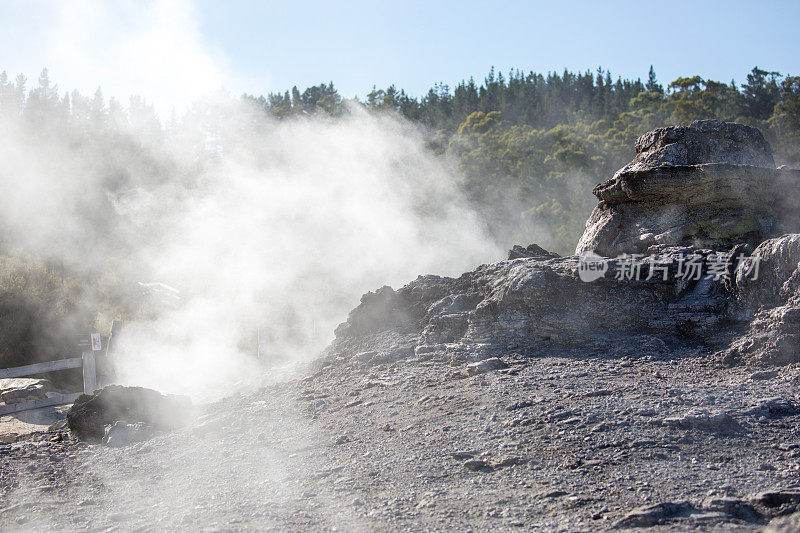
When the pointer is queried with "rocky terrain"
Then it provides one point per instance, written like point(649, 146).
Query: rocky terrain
point(607, 390)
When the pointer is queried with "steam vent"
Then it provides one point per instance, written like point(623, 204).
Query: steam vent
point(712, 184)
point(709, 191)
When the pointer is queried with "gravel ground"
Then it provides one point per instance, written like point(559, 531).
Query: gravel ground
point(555, 444)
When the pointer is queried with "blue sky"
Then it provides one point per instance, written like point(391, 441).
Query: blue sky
point(262, 46)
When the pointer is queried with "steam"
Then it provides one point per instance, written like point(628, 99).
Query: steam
point(260, 224)
point(289, 225)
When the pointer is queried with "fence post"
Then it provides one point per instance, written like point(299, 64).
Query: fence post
point(89, 372)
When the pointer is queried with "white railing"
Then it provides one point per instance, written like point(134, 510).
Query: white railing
point(86, 360)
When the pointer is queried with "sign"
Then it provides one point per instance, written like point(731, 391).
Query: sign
point(95, 342)
point(84, 342)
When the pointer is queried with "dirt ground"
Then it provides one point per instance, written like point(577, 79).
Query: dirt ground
point(552, 444)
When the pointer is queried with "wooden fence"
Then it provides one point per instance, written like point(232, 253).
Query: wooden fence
point(86, 360)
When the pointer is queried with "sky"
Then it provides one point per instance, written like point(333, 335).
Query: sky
point(172, 51)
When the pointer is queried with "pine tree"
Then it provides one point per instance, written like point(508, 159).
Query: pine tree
point(652, 83)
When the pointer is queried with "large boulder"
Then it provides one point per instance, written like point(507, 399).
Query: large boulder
point(89, 415)
point(709, 185)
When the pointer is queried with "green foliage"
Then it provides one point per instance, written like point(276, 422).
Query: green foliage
point(40, 311)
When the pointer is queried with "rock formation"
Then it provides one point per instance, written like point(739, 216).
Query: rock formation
point(773, 302)
point(711, 185)
point(708, 192)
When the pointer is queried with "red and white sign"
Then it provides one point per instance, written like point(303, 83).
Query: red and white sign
point(95, 342)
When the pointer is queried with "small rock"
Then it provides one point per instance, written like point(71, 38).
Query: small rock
point(776, 498)
point(598, 392)
point(775, 406)
point(477, 465)
point(520, 405)
point(702, 419)
point(784, 524)
point(487, 365)
point(19, 390)
point(763, 375)
point(464, 454)
point(554, 494)
point(89, 415)
point(653, 515)
point(735, 508)
point(509, 461)
point(9, 438)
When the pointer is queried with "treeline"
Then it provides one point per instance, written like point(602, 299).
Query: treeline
point(530, 146)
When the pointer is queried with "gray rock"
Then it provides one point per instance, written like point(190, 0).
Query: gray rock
point(776, 498)
point(764, 375)
point(89, 415)
point(539, 306)
point(697, 418)
point(774, 406)
point(532, 250)
point(17, 390)
point(784, 524)
point(709, 185)
point(487, 365)
point(734, 508)
point(477, 465)
point(123, 434)
point(706, 206)
point(653, 515)
point(773, 299)
point(703, 141)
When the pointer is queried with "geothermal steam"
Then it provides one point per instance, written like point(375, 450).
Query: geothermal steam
point(277, 226)
point(290, 224)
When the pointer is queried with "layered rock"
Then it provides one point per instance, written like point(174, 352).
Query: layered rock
point(710, 185)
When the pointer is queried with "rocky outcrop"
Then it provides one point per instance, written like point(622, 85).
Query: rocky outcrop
point(710, 185)
point(706, 193)
point(89, 416)
point(533, 306)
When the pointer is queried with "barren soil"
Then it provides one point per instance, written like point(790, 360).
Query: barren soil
point(555, 444)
